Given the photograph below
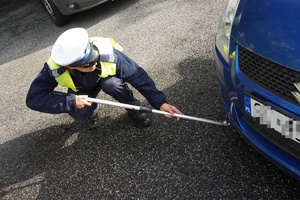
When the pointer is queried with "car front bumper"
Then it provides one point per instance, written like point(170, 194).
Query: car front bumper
point(232, 91)
point(79, 5)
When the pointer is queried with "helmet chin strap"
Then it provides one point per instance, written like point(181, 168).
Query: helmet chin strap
point(85, 64)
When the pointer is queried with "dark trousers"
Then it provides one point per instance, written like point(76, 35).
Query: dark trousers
point(112, 86)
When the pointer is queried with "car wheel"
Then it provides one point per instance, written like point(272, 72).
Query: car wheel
point(56, 16)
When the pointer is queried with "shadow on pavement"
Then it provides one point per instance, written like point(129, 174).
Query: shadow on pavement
point(169, 160)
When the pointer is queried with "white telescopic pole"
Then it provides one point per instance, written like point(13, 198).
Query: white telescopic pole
point(145, 109)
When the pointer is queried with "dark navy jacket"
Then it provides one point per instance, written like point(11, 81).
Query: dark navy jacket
point(41, 98)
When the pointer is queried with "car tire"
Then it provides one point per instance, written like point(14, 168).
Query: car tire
point(56, 16)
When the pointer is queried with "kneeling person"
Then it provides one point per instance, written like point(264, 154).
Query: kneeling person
point(86, 66)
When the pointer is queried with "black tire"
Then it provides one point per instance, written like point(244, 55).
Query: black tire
point(56, 16)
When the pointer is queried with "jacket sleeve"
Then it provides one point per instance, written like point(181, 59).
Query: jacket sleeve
point(132, 73)
point(41, 98)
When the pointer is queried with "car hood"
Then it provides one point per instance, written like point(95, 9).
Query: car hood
point(270, 29)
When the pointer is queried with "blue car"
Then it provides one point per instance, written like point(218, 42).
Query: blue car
point(257, 52)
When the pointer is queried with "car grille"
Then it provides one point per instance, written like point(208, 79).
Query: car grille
point(276, 79)
point(269, 75)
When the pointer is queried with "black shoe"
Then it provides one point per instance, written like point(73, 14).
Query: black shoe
point(94, 119)
point(141, 119)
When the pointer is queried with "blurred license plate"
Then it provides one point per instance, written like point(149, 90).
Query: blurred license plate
point(272, 118)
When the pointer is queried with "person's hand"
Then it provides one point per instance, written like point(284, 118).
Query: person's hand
point(81, 101)
point(170, 109)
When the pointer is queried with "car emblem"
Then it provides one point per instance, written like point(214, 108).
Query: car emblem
point(296, 94)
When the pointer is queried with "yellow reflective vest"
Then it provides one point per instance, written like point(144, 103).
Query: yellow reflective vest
point(107, 62)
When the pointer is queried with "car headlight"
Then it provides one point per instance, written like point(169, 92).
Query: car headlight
point(224, 28)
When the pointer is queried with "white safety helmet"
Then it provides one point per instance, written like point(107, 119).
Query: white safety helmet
point(71, 46)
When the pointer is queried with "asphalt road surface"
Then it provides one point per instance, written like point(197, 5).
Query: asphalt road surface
point(45, 156)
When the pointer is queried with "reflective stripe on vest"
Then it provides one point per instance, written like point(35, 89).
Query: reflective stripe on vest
point(107, 62)
point(63, 79)
point(104, 42)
